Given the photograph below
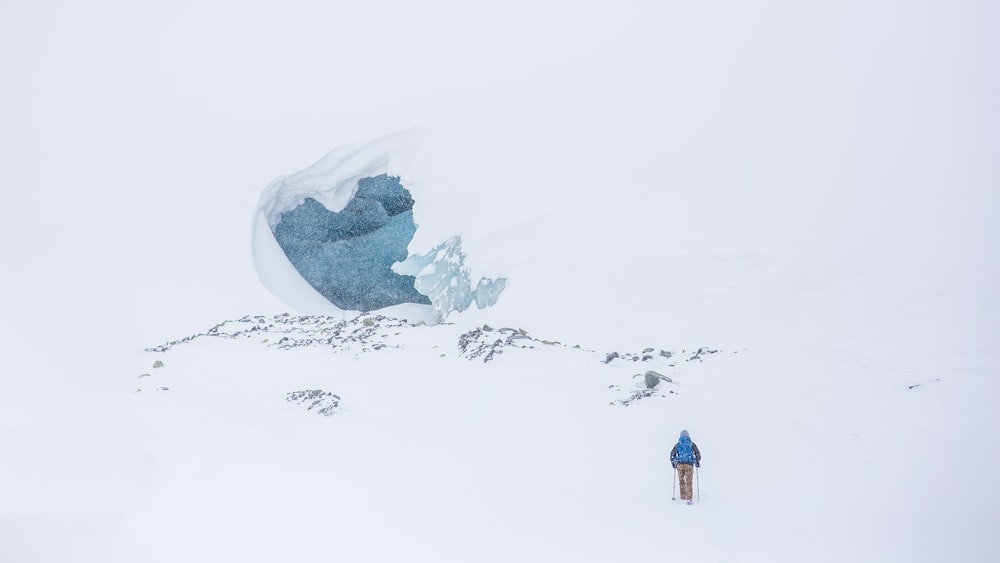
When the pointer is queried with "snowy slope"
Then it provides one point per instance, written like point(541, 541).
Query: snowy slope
point(808, 189)
point(524, 457)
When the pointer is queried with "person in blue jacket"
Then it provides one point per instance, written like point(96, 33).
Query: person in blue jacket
point(685, 457)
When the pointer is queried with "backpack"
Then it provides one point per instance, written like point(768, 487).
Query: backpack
point(685, 453)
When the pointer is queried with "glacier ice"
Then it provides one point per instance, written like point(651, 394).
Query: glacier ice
point(442, 276)
point(347, 256)
point(335, 236)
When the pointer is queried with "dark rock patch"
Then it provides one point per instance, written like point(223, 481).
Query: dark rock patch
point(323, 402)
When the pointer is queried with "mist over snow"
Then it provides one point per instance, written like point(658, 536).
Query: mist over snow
point(786, 209)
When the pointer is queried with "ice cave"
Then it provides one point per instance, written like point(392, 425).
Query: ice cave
point(335, 236)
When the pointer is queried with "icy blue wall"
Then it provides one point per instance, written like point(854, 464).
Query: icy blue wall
point(442, 275)
point(347, 256)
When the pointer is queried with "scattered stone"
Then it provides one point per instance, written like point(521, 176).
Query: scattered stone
point(477, 343)
point(701, 351)
point(325, 403)
point(358, 335)
point(366, 333)
point(163, 389)
point(372, 332)
point(636, 395)
point(647, 354)
point(652, 378)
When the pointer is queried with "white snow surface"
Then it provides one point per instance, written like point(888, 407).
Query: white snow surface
point(808, 188)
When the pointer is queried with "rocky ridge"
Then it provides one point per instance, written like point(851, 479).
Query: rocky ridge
point(366, 334)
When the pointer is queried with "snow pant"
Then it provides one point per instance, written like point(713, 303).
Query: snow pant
point(685, 474)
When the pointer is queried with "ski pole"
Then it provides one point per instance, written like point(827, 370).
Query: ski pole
point(673, 488)
point(698, 481)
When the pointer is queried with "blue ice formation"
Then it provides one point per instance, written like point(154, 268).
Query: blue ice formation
point(334, 237)
point(442, 275)
point(347, 256)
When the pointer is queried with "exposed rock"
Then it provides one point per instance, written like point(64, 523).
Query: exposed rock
point(639, 394)
point(652, 378)
point(372, 333)
point(477, 343)
point(324, 402)
point(701, 351)
point(157, 364)
point(360, 334)
point(647, 355)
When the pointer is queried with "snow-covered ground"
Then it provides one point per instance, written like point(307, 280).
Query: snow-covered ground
point(810, 190)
